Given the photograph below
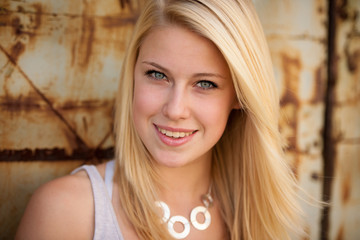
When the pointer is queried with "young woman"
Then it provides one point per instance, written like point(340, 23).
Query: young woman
point(198, 151)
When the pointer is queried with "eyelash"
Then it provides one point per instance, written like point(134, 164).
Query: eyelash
point(151, 74)
point(212, 84)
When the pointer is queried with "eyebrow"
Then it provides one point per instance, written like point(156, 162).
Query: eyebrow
point(195, 75)
point(156, 65)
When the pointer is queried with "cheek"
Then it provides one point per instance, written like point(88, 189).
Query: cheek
point(145, 103)
point(214, 116)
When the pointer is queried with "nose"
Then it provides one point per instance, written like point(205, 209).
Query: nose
point(176, 106)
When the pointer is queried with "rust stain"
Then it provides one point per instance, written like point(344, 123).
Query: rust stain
point(346, 189)
point(341, 6)
point(320, 10)
point(3, 17)
point(16, 51)
point(17, 26)
point(3, 10)
point(113, 22)
point(340, 235)
point(85, 124)
point(73, 52)
point(20, 9)
point(288, 121)
point(32, 101)
point(37, 15)
point(90, 154)
point(124, 3)
point(19, 104)
point(291, 140)
point(318, 95)
point(30, 30)
point(352, 59)
point(315, 176)
point(291, 67)
point(87, 39)
point(79, 142)
point(86, 104)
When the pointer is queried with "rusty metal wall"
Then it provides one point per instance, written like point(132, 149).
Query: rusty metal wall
point(18, 180)
point(59, 68)
point(59, 63)
point(344, 212)
point(297, 35)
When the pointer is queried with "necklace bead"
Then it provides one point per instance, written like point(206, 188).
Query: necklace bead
point(172, 220)
point(184, 222)
point(207, 201)
point(195, 223)
point(166, 210)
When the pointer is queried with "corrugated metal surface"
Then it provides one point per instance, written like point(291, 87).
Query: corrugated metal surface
point(297, 36)
point(345, 209)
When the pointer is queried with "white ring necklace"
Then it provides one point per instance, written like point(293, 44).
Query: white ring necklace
point(207, 201)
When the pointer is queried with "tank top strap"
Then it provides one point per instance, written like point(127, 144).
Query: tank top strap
point(106, 225)
point(109, 175)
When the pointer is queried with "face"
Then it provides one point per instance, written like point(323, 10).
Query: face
point(183, 95)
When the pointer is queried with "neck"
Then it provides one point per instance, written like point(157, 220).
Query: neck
point(186, 183)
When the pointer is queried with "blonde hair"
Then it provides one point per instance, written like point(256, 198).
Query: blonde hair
point(252, 181)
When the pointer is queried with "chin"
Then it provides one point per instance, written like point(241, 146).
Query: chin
point(171, 161)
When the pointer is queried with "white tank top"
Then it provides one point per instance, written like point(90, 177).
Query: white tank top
point(106, 224)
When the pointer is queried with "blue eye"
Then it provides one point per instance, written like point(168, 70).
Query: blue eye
point(206, 84)
point(155, 74)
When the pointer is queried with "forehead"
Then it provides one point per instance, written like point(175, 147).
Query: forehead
point(173, 45)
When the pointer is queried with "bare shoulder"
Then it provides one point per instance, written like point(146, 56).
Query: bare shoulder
point(60, 209)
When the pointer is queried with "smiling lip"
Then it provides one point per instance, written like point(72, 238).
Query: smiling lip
point(174, 136)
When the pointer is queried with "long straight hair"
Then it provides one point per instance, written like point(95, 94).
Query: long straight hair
point(255, 187)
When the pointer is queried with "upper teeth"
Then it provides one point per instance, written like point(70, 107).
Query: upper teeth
point(174, 134)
